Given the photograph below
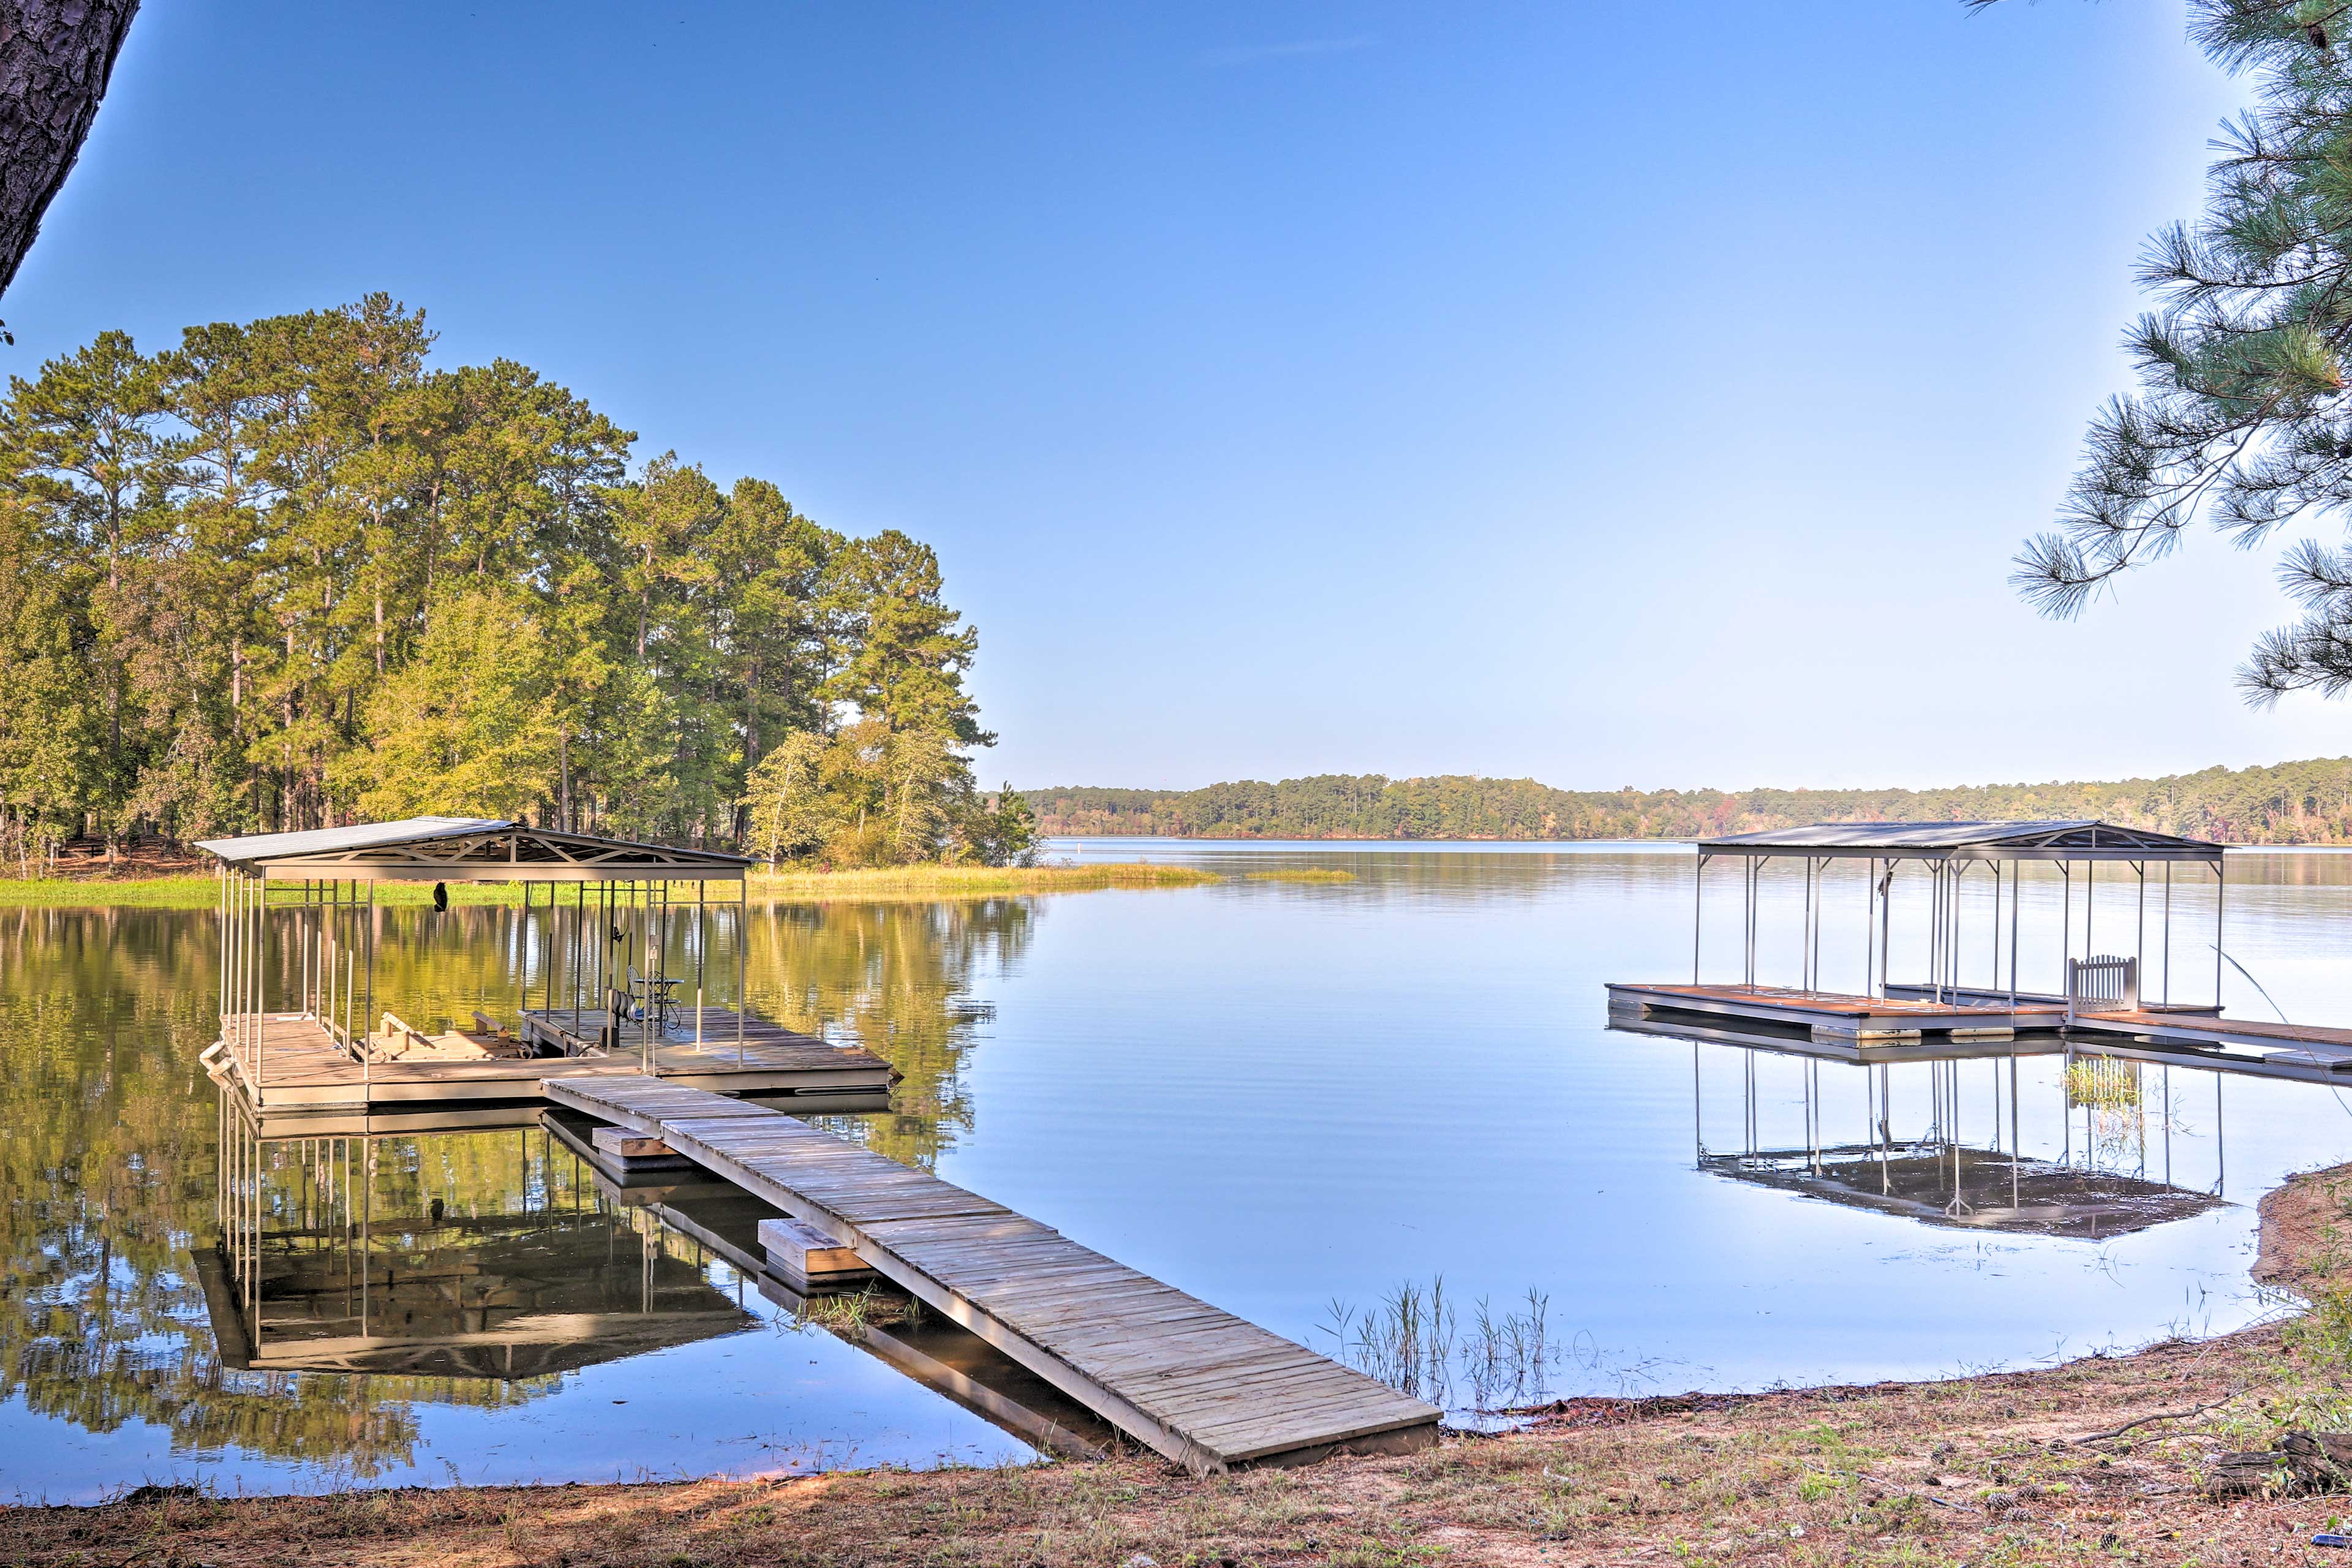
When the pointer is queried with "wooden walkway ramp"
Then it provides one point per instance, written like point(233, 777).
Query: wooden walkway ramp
point(1194, 1383)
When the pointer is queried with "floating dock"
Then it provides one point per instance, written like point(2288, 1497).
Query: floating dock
point(621, 975)
point(2099, 1010)
point(292, 1063)
point(1184, 1378)
point(1835, 1015)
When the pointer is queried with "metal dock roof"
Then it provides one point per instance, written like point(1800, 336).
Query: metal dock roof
point(2086, 839)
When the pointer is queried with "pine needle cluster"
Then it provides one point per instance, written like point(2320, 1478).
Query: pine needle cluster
point(2241, 421)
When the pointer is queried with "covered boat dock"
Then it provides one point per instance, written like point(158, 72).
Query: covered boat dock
point(615, 978)
point(1997, 1005)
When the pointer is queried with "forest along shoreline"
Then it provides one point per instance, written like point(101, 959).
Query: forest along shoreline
point(2106, 1455)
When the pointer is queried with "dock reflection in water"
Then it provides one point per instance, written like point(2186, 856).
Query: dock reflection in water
point(530, 1262)
point(1942, 1135)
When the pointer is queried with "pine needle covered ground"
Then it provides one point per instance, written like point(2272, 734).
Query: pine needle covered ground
point(2094, 1461)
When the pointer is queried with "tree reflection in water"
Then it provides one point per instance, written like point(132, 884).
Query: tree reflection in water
point(112, 1163)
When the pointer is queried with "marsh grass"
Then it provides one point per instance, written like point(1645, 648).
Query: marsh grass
point(853, 1311)
point(926, 882)
point(1418, 1342)
point(1302, 874)
point(2102, 1083)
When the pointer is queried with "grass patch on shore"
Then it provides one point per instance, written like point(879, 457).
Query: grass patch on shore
point(889, 882)
point(200, 892)
point(1299, 876)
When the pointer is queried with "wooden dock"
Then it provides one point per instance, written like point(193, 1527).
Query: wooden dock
point(1833, 1014)
point(1193, 1383)
point(303, 1068)
point(725, 1219)
point(2308, 1051)
point(1906, 1027)
point(1798, 1041)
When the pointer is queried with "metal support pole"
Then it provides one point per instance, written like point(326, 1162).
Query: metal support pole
point(1698, 904)
point(2168, 931)
point(1994, 984)
point(1804, 964)
point(2139, 921)
point(1886, 925)
point(2016, 899)
point(2221, 899)
point(2066, 921)
point(742, 964)
point(1869, 923)
point(1819, 914)
point(261, 989)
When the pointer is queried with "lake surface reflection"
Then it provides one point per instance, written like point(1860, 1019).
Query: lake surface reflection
point(1289, 1099)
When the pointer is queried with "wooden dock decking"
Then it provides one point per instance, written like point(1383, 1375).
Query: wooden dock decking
point(304, 1068)
point(1832, 1014)
point(1193, 1381)
point(724, 1218)
point(1905, 1027)
point(2289, 1050)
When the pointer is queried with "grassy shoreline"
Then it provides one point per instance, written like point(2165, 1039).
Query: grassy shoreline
point(2097, 1460)
point(199, 890)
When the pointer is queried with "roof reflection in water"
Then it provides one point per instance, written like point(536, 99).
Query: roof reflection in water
point(2099, 1182)
point(1976, 1189)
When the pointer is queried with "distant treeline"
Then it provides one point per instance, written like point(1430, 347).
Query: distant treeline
point(2291, 803)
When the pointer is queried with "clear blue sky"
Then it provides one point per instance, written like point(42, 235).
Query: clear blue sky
point(1614, 394)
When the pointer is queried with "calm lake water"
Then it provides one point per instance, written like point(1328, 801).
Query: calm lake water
point(1291, 1099)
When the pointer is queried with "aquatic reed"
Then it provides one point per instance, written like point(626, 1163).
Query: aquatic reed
point(1416, 1341)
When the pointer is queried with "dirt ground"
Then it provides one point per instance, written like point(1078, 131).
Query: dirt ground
point(2096, 1460)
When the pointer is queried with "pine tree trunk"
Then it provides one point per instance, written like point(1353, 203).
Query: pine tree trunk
point(55, 58)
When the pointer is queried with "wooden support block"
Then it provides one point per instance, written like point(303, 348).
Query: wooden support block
point(808, 1259)
point(627, 1153)
point(624, 1143)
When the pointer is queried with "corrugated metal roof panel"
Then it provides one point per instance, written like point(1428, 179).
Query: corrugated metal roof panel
point(2081, 838)
point(359, 836)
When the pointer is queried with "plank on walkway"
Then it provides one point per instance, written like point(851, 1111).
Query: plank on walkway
point(1193, 1382)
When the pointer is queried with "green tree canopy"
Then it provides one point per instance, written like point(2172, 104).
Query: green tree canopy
point(291, 572)
point(2242, 420)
